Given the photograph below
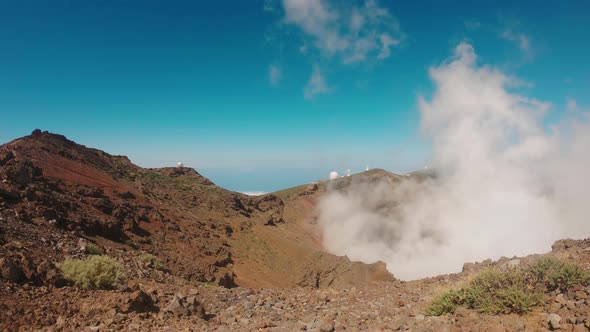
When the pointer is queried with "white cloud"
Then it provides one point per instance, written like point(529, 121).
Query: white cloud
point(386, 42)
point(351, 33)
point(520, 39)
point(505, 185)
point(571, 104)
point(316, 84)
point(274, 74)
point(254, 193)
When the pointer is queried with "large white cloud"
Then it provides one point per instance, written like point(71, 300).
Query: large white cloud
point(506, 185)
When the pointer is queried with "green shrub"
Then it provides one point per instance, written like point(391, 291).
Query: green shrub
point(554, 274)
point(490, 292)
point(152, 261)
point(94, 272)
point(93, 249)
point(497, 292)
point(446, 302)
point(515, 290)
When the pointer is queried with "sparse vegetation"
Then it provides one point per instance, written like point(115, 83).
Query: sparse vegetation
point(93, 249)
point(94, 272)
point(554, 274)
point(516, 290)
point(152, 261)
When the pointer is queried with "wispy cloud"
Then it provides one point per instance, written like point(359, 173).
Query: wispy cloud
point(316, 84)
point(522, 41)
point(269, 6)
point(351, 33)
point(274, 74)
point(386, 42)
point(339, 33)
point(472, 25)
point(571, 104)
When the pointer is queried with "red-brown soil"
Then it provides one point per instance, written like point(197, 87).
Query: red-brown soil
point(231, 261)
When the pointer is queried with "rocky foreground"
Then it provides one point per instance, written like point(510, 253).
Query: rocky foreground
point(197, 257)
point(177, 305)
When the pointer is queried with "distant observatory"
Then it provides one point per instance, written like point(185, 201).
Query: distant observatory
point(348, 172)
point(180, 164)
point(333, 175)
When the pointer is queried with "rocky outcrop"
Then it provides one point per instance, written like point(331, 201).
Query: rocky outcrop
point(181, 305)
point(332, 271)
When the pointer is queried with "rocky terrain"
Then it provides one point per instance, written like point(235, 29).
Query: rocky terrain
point(198, 257)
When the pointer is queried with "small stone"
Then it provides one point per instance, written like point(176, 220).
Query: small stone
point(301, 325)
point(554, 321)
point(111, 313)
point(571, 305)
point(326, 325)
point(420, 317)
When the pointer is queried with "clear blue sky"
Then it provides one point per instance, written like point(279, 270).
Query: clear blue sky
point(261, 95)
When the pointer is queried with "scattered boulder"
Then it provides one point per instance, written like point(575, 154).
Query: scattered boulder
point(138, 301)
point(22, 173)
point(310, 189)
point(7, 192)
point(185, 306)
point(563, 244)
point(11, 270)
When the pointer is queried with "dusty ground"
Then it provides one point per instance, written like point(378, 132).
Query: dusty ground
point(380, 306)
point(231, 262)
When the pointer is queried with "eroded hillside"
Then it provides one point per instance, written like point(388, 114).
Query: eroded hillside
point(56, 193)
point(199, 257)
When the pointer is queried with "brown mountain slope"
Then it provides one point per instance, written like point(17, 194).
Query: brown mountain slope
point(58, 197)
point(56, 194)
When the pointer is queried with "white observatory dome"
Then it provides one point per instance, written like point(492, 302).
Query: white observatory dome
point(180, 164)
point(333, 175)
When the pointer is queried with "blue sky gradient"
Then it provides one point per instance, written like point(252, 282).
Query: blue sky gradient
point(220, 85)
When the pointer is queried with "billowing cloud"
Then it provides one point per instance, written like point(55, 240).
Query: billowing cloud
point(505, 185)
point(274, 74)
point(316, 84)
point(353, 34)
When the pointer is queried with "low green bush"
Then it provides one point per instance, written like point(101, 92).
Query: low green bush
point(515, 290)
point(152, 261)
point(93, 249)
point(94, 272)
point(557, 275)
point(446, 302)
